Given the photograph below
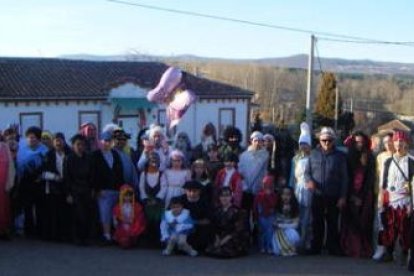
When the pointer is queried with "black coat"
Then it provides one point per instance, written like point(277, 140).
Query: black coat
point(49, 165)
point(104, 177)
point(77, 174)
point(329, 172)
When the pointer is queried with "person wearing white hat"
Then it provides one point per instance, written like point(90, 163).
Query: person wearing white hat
point(298, 183)
point(157, 142)
point(253, 167)
point(326, 175)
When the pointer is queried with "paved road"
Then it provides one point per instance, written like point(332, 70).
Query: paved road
point(22, 257)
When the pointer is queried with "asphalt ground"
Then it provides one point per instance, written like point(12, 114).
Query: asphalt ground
point(30, 257)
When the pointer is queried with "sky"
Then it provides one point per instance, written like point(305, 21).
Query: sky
point(51, 28)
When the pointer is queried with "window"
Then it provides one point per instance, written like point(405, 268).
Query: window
point(162, 121)
point(30, 119)
point(90, 117)
point(226, 118)
point(130, 124)
point(162, 117)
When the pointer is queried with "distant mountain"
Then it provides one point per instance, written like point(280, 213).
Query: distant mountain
point(297, 61)
point(342, 65)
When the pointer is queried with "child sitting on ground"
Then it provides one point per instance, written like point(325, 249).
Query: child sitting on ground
point(175, 227)
point(129, 219)
point(286, 236)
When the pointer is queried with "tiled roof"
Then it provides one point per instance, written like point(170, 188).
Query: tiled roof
point(394, 125)
point(48, 78)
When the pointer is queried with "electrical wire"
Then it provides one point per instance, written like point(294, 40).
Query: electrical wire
point(327, 36)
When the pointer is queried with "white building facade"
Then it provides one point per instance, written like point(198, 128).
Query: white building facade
point(124, 103)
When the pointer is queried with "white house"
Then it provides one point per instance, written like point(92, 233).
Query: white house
point(60, 95)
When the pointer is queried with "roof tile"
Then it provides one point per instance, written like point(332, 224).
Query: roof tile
point(29, 78)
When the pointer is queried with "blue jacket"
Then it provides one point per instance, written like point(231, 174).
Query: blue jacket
point(329, 172)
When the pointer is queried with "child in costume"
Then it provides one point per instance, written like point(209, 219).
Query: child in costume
point(230, 177)
point(298, 183)
point(286, 236)
point(152, 195)
point(129, 219)
point(264, 213)
point(174, 178)
point(175, 227)
point(199, 173)
point(231, 234)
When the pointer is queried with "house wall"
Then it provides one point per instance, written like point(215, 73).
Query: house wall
point(205, 111)
point(63, 116)
point(60, 116)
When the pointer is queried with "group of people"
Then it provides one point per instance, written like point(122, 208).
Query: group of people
point(216, 198)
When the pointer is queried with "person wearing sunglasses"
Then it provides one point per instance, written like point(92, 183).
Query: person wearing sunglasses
point(326, 176)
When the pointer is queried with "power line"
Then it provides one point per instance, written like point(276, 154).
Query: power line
point(326, 35)
point(396, 43)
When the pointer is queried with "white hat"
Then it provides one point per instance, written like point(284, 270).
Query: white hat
point(327, 132)
point(110, 127)
point(256, 135)
point(268, 137)
point(305, 136)
point(155, 129)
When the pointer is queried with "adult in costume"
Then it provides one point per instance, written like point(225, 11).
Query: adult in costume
point(90, 131)
point(381, 158)
point(208, 138)
point(157, 142)
point(200, 211)
point(397, 181)
point(357, 216)
point(7, 176)
point(232, 137)
point(253, 167)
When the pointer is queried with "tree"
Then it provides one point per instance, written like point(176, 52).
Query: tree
point(257, 123)
point(325, 101)
point(346, 123)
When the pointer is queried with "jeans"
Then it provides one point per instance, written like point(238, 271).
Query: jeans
point(106, 202)
point(266, 232)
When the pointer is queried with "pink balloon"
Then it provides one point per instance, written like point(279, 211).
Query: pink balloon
point(180, 104)
point(168, 83)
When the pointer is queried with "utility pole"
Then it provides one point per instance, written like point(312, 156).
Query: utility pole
point(336, 108)
point(352, 104)
point(309, 90)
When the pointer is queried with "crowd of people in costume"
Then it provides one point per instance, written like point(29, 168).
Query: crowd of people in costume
point(215, 198)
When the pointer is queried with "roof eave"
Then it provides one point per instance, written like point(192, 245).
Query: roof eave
point(11, 99)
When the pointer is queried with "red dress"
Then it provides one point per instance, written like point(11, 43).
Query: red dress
point(6, 179)
point(129, 226)
point(356, 223)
